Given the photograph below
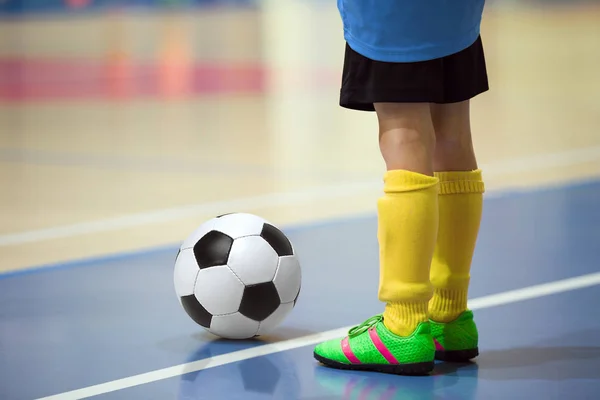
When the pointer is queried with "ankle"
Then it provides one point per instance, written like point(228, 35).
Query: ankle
point(447, 304)
point(402, 318)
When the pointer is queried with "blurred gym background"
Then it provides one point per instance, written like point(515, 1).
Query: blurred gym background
point(124, 124)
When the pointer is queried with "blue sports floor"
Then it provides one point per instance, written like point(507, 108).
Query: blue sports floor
point(74, 326)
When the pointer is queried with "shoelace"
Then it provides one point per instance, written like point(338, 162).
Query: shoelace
point(357, 330)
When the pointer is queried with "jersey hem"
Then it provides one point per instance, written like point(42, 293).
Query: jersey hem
point(412, 54)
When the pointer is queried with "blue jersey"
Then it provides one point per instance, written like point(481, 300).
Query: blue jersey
point(410, 30)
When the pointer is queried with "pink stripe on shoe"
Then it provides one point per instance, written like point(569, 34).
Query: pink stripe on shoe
point(381, 347)
point(348, 351)
point(438, 346)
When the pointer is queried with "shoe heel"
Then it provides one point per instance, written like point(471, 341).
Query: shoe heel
point(457, 355)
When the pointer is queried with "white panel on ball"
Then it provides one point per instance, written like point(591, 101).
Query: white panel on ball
point(253, 260)
point(233, 326)
point(275, 319)
point(218, 290)
point(288, 278)
point(186, 270)
point(202, 230)
point(239, 224)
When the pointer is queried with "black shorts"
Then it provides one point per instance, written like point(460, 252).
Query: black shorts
point(451, 79)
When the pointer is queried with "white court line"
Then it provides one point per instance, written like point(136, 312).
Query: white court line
point(180, 213)
point(329, 192)
point(498, 299)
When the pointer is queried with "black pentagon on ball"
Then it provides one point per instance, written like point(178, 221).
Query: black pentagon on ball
point(212, 249)
point(259, 301)
point(196, 311)
point(277, 239)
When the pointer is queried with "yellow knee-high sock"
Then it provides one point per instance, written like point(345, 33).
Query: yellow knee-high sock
point(407, 231)
point(460, 209)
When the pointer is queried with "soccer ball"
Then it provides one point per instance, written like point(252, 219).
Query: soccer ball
point(238, 276)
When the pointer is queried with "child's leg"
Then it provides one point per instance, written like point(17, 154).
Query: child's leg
point(400, 340)
point(407, 213)
point(460, 208)
point(454, 144)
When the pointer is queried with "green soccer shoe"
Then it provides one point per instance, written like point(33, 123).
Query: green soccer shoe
point(372, 347)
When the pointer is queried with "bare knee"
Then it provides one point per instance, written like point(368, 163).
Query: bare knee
point(406, 136)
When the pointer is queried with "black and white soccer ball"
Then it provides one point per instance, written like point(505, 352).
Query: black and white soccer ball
point(238, 276)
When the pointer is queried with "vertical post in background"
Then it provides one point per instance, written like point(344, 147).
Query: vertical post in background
point(301, 53)
point(174, 53)
point(119, 70)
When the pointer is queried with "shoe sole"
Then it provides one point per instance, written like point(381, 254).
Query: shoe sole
point(457, 355)
point(415, 369)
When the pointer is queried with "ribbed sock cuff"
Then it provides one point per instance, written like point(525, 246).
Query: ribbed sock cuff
point(447, 304)
point(455, 182)
point(403, 318)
